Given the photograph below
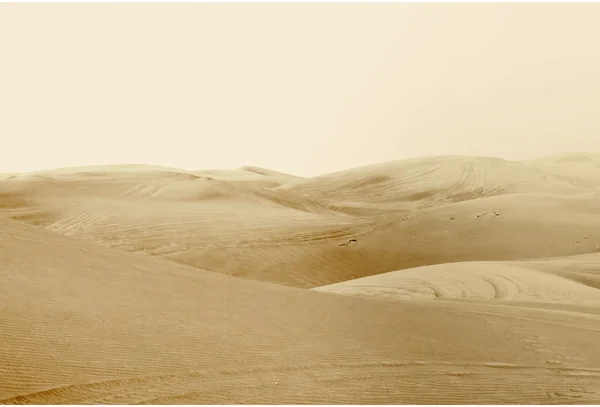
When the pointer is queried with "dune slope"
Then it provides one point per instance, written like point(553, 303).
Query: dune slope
point(573, 280)
point(431, 181)
point(268, 226)
point(81, 323)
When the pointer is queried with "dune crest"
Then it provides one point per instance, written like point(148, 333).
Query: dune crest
point(433, 280)
point(504, 281)
point(258, 224)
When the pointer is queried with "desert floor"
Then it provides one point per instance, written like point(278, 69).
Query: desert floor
point(445, 279)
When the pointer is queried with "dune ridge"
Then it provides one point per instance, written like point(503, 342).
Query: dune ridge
point(549, 281)
point(446, 279)
point(271, 227)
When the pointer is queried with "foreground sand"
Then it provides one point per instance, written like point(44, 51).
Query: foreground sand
point(463, 280)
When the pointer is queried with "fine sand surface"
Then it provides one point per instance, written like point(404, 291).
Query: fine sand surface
point(443, 279)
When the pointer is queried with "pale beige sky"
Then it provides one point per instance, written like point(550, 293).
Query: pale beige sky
point(299, 88)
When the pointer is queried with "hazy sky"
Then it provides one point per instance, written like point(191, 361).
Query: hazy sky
point(299, 88)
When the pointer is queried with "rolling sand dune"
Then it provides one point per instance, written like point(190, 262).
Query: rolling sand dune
point(549, 282)
point(464, 280)
point(431, 181)
point(86, 324)
point(580, 168)
point(308, 232)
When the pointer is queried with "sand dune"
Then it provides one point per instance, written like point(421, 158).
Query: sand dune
point(465, 280)
point(86, 324)
point(580, 168)
point(433, 181)
point(543, 282)
point(296, 234)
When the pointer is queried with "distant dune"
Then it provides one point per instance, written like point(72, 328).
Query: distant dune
point(432, 181)
point(462, 280)
point(269, 226)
